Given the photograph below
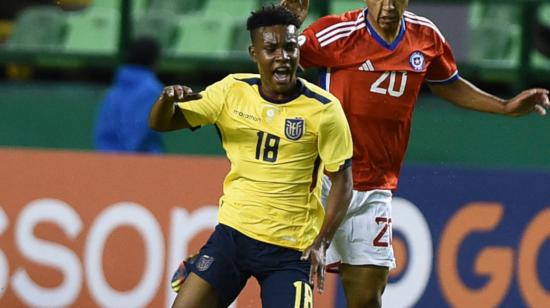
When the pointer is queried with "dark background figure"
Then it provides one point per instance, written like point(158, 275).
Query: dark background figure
point(541, 36)
point(121, 125)
point(9, 9)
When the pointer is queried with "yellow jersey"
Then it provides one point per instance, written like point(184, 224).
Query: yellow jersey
point(278, 151)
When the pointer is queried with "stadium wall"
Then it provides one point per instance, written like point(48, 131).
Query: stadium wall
point(61, 116)
point(86, 230)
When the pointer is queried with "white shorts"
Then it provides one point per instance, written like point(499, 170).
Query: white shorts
point(365, 235)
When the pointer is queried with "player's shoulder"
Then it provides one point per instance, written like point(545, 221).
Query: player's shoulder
point(328, 22)
point(243, 78)
point(318, 94)
point(237, 80)
point(422, 26)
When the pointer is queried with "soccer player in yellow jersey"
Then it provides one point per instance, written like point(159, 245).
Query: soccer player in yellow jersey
point(280, 133)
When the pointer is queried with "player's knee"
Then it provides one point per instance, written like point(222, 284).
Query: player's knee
point(366, 300)
point(364, 285)
point(367, 297)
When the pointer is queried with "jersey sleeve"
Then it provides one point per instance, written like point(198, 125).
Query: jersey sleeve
point(312, 54)
point(335, 144)
point(443, 68)
point(206, 110)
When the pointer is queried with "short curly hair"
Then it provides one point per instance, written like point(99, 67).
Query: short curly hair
point(143, 50)
point(271, 15)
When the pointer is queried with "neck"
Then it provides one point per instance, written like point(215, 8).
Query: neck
point(273, 96)
point(388, 34)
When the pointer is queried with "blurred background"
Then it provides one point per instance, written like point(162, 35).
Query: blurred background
point(83, 229)
point(57, 58)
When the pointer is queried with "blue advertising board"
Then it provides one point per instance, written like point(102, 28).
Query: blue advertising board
point(470, 237)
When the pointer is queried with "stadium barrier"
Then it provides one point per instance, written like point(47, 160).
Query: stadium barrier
point(86, 229)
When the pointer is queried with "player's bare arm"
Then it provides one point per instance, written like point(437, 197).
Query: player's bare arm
point(298, 7)
point(339, 198)
point(464, 94)
point(164, 115)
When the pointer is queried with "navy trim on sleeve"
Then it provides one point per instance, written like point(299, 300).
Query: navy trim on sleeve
point(345, 165)
point(251, 81)
point(451, 79)
point(307, 92)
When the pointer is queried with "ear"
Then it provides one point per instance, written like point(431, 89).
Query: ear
point(252, 53)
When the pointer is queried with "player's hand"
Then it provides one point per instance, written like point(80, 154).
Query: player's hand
point(532, 100)
point(316, 255)
point(177, 93)
point(298, 7)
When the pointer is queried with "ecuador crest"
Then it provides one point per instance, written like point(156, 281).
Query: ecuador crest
point(294, 128)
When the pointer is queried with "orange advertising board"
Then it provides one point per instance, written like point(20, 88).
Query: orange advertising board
point(86, 229)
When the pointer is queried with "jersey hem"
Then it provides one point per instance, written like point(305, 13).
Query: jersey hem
point(258, 238)
point(361, 187)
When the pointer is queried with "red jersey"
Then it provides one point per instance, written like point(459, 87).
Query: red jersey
point(377, 83)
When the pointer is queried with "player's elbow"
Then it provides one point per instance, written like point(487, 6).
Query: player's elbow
point(161, 124)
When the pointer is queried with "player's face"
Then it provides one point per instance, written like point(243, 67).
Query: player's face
point(276, 52)
point(386, 14)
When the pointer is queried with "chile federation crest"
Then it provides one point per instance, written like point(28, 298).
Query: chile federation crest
point(416, 60)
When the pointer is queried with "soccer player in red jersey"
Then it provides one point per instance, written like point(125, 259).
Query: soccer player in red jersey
point(376, 59)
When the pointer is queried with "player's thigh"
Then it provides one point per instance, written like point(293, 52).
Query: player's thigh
point(196, 293)
point(217, 264)
point(364, 237)
point(286, 289)
point(360, 279)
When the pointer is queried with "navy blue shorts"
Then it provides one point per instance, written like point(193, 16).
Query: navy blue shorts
point(229, 258)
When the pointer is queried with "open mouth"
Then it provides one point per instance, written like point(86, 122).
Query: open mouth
point(282, 74)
